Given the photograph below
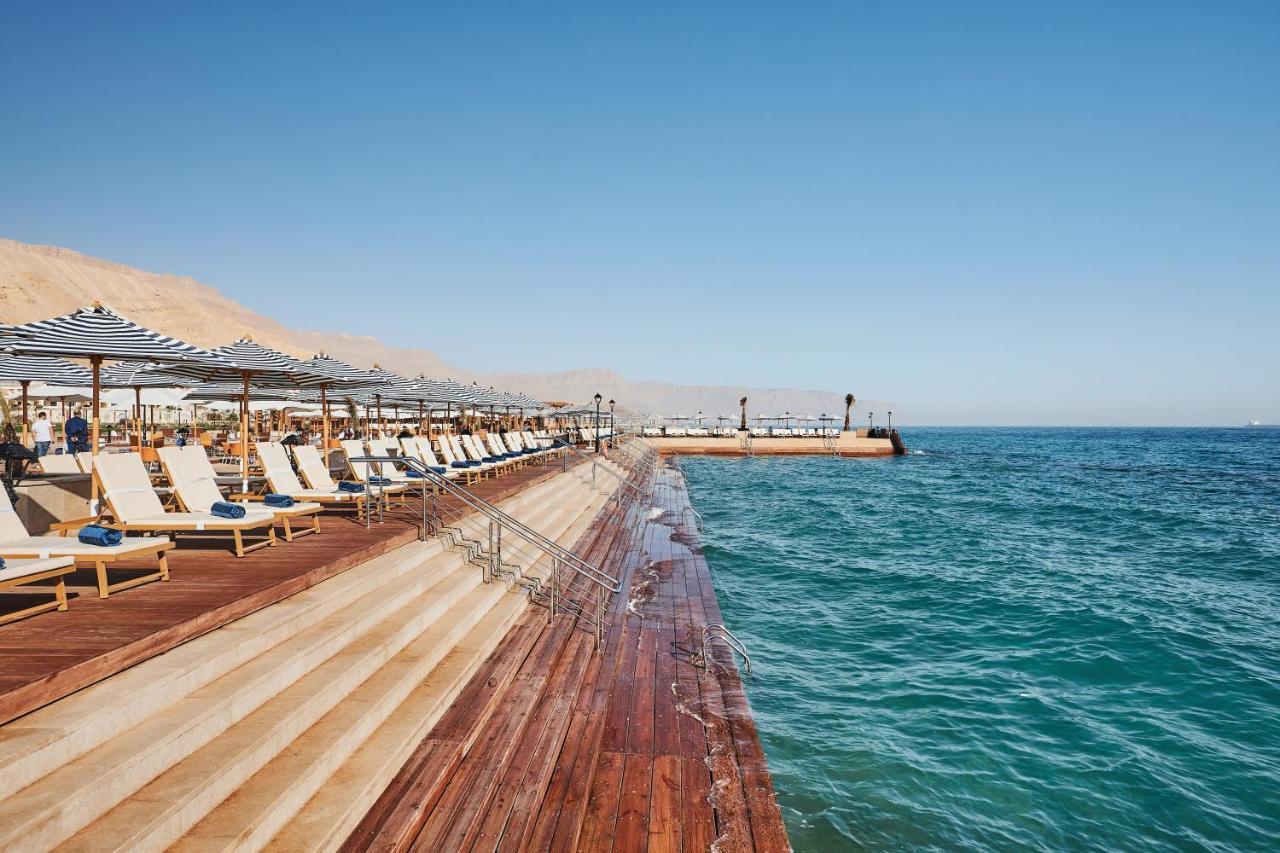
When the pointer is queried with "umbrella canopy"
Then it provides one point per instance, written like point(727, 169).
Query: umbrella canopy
point(42, 368)
point(140, 374)
point(97, 333)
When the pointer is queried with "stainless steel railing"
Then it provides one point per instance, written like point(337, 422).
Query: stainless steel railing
point(561, 444)
point(599, 583)
point(718, 631)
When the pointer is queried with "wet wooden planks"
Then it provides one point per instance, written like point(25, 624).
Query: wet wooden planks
point(556, 747)
point(51, 655)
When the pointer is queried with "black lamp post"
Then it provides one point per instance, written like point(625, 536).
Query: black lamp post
point(891, 422)
point(613, 427)
point(871, 423)
point(598, 398)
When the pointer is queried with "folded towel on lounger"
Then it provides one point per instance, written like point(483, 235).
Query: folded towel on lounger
point(278, 501)
point(379, 481)
point(413, 473)
point(104, 536)
point(347, 486)
point(439, 469)
point(222, 509)
point(461, 464)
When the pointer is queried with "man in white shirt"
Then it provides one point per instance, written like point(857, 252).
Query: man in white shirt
point(43, 431)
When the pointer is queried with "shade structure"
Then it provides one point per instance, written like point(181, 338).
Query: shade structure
point(138, 375)
point(268, 369)
point(98, 333)
point(352, 376)
point(25, 369)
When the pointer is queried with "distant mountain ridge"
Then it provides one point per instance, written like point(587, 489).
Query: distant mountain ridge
point(37, 282)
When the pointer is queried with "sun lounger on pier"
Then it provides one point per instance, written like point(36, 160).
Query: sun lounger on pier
point(388, 470)
point(457, 460)
point(283, 480)
point(420, 449)
point(500, 449)
point(21, 572)
point(361, 471)
point(475, 453)
point(134, 505)
point(195, 483)
point(15, 542)
point(59, 463)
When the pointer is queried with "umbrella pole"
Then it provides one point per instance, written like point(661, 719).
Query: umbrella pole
point(137, 414)
point(419, 417)
point(324, 424)
point(382, 428)
point(244, 435)
point(95, 365)
point(24, 413)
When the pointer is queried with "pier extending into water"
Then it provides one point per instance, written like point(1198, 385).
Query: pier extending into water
point(362, 689)
point(862, 442)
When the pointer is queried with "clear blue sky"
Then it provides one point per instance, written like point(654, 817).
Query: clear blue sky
point(986, 213)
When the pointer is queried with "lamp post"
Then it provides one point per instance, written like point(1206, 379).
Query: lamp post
point(891, 422)
point(871, 424)
point(613, 429)
point(598, 399)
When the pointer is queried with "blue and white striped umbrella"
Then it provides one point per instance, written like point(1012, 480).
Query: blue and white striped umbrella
point(42, 368)
point(96, 332)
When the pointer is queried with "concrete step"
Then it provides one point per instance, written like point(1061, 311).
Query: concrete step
point(44, 740)
point(326, 820)
point(161, 811)
point(188, 697)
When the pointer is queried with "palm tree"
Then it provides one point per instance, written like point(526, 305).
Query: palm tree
point(848, 407)
point(743, 404)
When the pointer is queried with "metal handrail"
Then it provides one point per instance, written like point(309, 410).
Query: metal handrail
point(718, 631)
point(560, 443)
point(557, 552)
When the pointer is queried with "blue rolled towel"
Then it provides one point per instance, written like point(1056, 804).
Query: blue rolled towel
point(457, 464)
point(103, 536)
point(489, 459)
point(379, 481)
point(439, 469)
point(347, 486)
point(413, 473)
point(222, 509)
point(278, 501)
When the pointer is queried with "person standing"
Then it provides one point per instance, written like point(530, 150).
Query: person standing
point(77, 433)
point(43, 431)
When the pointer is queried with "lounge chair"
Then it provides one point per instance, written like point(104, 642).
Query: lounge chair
point(499, 449)
point(21, 572)
point(420, 449)
point(194, 482)
point(134, 505)
point(59, 463)
point(388, 470)
point(458, 461)
point(460, 452)
point(16, 542)
point(351, 448)
point(477, 453)
point(283, 480)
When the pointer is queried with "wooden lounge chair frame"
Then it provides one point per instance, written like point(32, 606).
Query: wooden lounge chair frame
point(59, 568)
point(281, 515)
point(176, 526)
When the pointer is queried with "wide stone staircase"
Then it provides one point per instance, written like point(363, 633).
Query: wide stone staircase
point(285, 724)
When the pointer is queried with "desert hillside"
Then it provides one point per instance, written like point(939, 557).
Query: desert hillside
point(37, 282)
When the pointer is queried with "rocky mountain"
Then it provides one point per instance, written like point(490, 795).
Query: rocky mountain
point(37, 282)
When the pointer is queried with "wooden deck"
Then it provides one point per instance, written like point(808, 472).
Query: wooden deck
point(552, 746)
point(49, 656)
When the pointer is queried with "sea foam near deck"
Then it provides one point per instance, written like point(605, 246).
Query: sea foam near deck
point(1045, 639)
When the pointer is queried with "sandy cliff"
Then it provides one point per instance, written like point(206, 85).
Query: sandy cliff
point(37, 282)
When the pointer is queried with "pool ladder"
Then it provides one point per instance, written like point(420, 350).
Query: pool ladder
point(718, 631)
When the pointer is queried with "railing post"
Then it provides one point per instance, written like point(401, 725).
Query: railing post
point(368, 490)
point(555, 585)
point(599, 618)
point(489, 572)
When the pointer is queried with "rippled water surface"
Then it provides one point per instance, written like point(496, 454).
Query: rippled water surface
point(1012, 639)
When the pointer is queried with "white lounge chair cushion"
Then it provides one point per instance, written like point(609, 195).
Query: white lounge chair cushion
point(15, 569)
point(58, 546)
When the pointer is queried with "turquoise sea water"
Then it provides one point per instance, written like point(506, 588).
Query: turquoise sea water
point(1012, 639)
